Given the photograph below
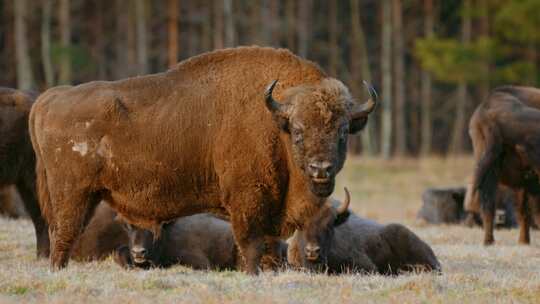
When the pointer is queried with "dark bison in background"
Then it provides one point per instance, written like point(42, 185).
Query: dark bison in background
point(209, 135)
point(505, 131)
point(338, 241)
point(11, 204)
point(201, 241)
point(448, 206)
point(17, 160)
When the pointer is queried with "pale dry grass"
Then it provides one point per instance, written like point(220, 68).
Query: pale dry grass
point(505, 273)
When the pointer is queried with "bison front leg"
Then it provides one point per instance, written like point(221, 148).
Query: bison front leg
point(250, 242)
point(523, 217)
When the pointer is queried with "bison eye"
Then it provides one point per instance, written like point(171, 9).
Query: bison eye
point(297, 135)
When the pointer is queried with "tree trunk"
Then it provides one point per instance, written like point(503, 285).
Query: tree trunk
point(333, 33)
point(290, 12)
point(25, 77)
point(206, 43)
point(360, 64)
point(386, 69)
point(98, 32)
point(122, 24)
point(304, 26)
point(64, 75)
point(484, 32)
point(426, 122)
point(172, 32)
point(46, 43)
point(218, 25)
point(458, 133)
point(275, 24)
point(230, 34)
point(399, 80)
point(141, 6)
point(131, 41)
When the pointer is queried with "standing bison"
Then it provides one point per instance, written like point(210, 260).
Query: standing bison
point(209, 135)
point(506, 139)
point(17, 160)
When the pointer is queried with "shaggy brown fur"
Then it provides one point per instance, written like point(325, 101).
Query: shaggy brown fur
point(506, 141)
point(358, 245)
point(103, 235)
point(17, 160)
point(201, 137)
point(201, 241)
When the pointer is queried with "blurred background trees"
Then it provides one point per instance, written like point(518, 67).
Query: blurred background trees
point(432, 62)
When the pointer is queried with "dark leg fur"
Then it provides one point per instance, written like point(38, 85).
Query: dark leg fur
point(523, 217)
point(31, 205)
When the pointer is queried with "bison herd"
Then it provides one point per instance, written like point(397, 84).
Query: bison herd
point(228, 161)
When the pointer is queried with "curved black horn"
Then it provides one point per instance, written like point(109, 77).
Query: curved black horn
point(271, 103)
point(364, 109)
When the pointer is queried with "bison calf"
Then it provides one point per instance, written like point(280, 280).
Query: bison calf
point(200, 241)
point(338, 241)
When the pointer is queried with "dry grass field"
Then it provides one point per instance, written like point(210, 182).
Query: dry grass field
point(385, 191)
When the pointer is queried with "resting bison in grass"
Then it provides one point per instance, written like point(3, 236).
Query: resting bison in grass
point(338, 241)
point(102, 236)
point(201, 241)
point(447, 206)
point(206, 136)
point(442, 205)
point(505, 131)
point(17, 160)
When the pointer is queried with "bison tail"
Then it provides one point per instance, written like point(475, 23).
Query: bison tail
point(42, 190)
point(485, 175)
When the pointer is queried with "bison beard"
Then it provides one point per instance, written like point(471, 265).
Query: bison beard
point(168, 145)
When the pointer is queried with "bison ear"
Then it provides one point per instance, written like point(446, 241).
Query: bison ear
point(279, 110)
point(360, 112)
point(342, 218)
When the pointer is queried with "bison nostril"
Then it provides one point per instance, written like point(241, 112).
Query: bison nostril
point(320, 169)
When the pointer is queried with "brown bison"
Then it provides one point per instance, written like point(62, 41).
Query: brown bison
point(102, 237)
point(201, 241)
point(17, 160)
point(507, 152)
point(206, 136)
point(337, 241)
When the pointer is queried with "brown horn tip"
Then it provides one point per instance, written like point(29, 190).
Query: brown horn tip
point(268, 94)
point(344, 206)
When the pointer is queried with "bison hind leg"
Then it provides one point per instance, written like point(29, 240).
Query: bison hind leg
point(71, 214)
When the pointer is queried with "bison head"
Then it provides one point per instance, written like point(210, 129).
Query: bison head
point(318, 232)
point(145, 246)
point(318, 119)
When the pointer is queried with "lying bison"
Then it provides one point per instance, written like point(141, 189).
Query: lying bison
point(17, 160)
point(448, 206)
point(338, 241)
point(442, 205)
point(201, 241)
point(506, 146)
point(206, 136)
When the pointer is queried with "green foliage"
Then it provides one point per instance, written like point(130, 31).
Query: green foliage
point(514, 30)
point(518, 20)
point(80, 57)
point(452, 61)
